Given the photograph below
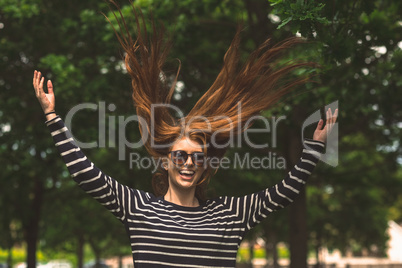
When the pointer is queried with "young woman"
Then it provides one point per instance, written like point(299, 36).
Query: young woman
point(177, 226)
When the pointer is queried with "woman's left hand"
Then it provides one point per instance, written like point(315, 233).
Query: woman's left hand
point(320, 133)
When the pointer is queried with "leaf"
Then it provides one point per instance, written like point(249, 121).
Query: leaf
point(284, 22)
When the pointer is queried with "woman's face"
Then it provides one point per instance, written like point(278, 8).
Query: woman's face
point(186, 164)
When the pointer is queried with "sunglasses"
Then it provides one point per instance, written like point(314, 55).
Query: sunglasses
point(180, 157)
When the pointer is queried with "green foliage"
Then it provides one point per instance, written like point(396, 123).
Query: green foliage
point(259, 253)
point(359, 51)
point(21, 9)
point(357, 44)
point(304, 14)
point(243, 255)
point(283, 253)
point(18, 255)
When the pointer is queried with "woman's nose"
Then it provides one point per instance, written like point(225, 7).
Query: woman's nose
point(189, 161)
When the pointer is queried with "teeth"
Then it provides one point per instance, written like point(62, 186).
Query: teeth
point(187, 172)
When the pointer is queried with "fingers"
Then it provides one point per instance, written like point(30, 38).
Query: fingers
point(335, 116)
point(321, 133)
point(50, 87)
point(41, 84)
point(331, 118)
point(38, 82)
point(320, 125)
point(34, 80)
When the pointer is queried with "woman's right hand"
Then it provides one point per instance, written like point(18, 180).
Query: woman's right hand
point(46, 100)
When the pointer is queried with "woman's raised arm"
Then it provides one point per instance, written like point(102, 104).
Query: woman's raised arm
point(260, 204)
point(321, 134)
point(107, 191)
point(46, 100)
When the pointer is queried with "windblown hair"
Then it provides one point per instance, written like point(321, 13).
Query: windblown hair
point(257, 85)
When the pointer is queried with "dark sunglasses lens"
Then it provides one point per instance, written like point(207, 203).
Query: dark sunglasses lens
point(179, 157)
point(198, 159)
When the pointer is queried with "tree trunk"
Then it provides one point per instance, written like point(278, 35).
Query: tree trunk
point(251, 250)
point(32, 226)
point(80, 251)
point(10, 257)
point(298, 210)
point(97, 253)
point(271, 243)
point(258, 20)
point(120, 261)
point(317, 256)
point(9, 241)
point(298, 232)
point(275, 255)
point(272, 246)
point(31, 239)
point(97, 260)
point(317, 250)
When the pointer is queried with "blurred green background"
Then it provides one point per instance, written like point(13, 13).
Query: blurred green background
point(44, 215)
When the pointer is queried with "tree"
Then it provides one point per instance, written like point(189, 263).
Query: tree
point(66, 48)
point(355, 42)
point(363, 79)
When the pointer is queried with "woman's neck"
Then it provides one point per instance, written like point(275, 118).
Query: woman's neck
point(186, 199)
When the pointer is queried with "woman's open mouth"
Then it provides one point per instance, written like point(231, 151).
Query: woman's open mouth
point(187, 174)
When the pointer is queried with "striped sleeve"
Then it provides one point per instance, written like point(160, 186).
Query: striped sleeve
point(260, 204)
point(108, 192)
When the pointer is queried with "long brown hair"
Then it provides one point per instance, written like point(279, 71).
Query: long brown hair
point(257, 85)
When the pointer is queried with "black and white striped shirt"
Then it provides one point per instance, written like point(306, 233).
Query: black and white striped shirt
point(163, 234)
